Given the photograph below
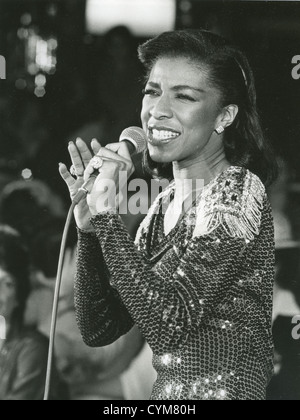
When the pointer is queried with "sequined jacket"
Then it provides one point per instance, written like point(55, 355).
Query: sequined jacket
point(201, 295)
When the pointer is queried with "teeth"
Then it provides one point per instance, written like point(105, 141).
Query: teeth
point(164, 135)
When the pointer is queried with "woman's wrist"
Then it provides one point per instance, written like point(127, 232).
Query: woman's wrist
point(103, 207)
point(89, 230)
point(104, 210)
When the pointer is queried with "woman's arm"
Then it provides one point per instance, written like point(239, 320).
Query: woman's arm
point(101, 316)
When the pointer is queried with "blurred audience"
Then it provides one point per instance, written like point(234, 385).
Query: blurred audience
point(44, 253)
point(91, 374)
point(118, 81)
point(27, 205)
point(115, 101)
point(23, 354)
point(101, 108)
point(138, 379)
point(23, 129)
point(28, 120)
point(285, 384)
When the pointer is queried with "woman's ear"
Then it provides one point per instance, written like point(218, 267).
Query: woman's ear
point(228, 115)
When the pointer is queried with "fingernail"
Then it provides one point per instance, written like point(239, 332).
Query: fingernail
point(71, 143)
point(60, 164)
point(79, 139)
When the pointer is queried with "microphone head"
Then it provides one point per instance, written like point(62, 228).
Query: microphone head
point(136, 136)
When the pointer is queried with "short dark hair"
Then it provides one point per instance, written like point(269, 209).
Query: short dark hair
point(229, 71)
point(14, 259)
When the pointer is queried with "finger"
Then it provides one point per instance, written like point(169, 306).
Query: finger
point(104, 152)
point(120, 148)
point(76, 158)
point(96, 146)
point(107, 169)
point(85, 152)
point(89, 171)
point(65, 174)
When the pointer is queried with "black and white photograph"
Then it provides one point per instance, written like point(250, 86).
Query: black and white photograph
point(149, 202)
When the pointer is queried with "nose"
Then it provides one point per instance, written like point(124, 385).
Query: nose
point(162, 109)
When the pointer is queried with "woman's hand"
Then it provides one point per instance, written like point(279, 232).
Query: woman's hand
point(117, 167)
point(80, 156)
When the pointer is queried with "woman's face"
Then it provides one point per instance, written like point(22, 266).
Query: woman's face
point(8, 295)
point(180, 111)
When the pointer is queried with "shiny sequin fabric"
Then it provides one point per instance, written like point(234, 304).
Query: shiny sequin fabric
point(201, 295)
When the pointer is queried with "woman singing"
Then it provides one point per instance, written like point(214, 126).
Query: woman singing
point(198, 282)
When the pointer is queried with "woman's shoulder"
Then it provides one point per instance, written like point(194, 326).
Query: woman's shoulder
point(232, 188)
point(234, 201)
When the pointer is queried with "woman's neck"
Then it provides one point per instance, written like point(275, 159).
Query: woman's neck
point(199, 171)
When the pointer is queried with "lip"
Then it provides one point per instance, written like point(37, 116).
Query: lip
point(156, 142)
point(162, 128)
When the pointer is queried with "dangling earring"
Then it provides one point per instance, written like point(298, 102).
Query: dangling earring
point(220, 130)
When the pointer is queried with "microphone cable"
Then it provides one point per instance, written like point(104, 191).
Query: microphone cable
point(56, 300)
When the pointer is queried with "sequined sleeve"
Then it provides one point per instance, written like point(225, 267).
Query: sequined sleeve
point(101, 316)
point(172, 298)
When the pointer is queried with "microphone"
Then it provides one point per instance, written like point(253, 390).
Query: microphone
point(136, 140)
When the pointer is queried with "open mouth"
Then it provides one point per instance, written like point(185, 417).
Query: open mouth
point(162, 135)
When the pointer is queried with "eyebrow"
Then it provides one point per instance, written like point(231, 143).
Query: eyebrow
point(179, 87)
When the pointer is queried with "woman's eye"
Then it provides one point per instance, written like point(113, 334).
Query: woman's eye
point(150, 92)
point(185, 97)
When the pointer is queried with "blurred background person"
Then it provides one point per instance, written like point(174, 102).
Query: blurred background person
point(285, 384)
point(44, 253)
point(23, 355)
point(28, 204)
